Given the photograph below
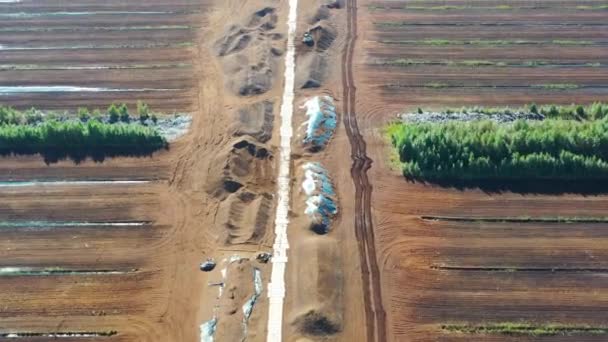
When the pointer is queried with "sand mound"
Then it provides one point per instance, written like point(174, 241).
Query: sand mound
point(250, 53)
point(256, 120)
point(244, 217)
point(244, 163)
point(310, 71)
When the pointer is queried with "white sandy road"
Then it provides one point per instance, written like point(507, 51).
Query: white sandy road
point(276, 287)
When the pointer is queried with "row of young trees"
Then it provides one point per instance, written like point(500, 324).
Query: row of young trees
point(92, 137)
point(113, 114)
point(549, 149)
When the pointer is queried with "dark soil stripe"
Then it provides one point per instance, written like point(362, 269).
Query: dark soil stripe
point(515, 328)
point(516, 219)
point(519, 269)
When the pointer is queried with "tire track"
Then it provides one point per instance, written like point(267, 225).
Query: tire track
point(375, 314)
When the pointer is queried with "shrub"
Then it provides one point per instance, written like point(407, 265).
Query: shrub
point(83, 114)
point(32, 116)
point(143, 111)
point(124, 113)
point(114, 113)
point(96, 115)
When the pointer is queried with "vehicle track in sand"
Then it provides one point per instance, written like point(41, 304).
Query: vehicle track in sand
point(364, 230)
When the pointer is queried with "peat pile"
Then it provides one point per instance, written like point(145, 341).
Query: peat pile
point(242, 177)
point(244, 216)
point(312, 68)
point(250, 53)
point(255, 120)
point(244, 163)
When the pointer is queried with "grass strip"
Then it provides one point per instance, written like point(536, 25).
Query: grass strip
point(520, 219)
point(530, 329)
point(556, 86)
point(406, 62)
point(518, 269)
point(546, 86)
point(377, 7)
point(486, 23)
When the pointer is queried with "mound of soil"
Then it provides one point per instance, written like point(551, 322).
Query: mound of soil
point(312, 66)
point(337, 4)
point(244, 217)
point(244, 163)
point(250, 52)
point(324, 35)
point(315, 323)
point(322, 13)
point(256, 120)
point(310, 71)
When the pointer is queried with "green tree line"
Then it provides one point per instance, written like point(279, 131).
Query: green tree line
point(91, 137)
point(481, 150)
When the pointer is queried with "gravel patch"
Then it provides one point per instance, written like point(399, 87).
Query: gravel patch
point(439, 117)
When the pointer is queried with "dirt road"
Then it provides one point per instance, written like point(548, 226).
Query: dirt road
point(361, 164)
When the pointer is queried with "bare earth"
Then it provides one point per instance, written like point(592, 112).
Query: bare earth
point(385, 271)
